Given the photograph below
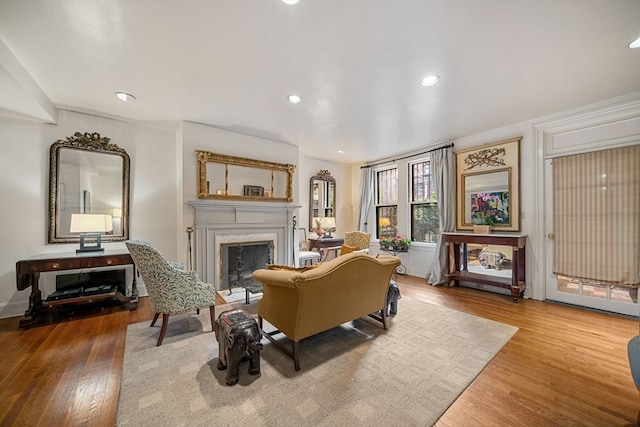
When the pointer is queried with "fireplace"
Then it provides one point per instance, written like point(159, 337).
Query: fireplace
point(239, 260)
point(222, 225)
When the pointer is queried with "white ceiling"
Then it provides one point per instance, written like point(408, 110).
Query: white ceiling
point(356, 63)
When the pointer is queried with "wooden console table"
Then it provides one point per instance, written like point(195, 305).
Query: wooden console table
point(321, 244)
point(28, 275)
point(457, 263)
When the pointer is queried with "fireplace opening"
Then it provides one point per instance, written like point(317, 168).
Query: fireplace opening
point(240, 260)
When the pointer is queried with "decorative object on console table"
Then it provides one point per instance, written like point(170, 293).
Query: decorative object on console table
point(91, 226)
point(481, 228)
point(317, 221)
point(484, 221)
point(28, 275)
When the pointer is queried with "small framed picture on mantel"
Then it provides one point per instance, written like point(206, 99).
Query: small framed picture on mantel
point(253, 191)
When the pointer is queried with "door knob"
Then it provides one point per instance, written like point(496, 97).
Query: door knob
point(551, 236)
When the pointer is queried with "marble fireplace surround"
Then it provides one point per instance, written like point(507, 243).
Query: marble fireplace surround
point(224, 222)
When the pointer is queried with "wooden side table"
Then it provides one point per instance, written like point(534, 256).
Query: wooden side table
point(28, 275)
point(325, 243)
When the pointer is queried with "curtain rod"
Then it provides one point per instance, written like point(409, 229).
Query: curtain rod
point(406, 157)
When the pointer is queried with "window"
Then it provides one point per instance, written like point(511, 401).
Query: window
point(425, 226)
point(387, 203)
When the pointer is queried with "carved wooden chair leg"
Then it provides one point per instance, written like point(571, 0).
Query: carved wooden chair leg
point(155, 318)
point(163, 329)
point(212, 315)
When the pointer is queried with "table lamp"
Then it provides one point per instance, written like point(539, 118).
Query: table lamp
point(90, 226)
point(328, 225)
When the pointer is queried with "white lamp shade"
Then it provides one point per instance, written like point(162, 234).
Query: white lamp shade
point(91, 223)
point(329, 222)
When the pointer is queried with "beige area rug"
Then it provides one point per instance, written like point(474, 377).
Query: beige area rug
point(355, 374)
point(239, 295)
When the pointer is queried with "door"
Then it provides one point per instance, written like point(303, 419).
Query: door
point(571, 290)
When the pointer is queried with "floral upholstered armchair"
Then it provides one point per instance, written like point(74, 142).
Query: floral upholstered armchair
point(171, 289)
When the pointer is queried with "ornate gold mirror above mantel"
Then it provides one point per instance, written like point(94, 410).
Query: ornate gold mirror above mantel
point(88, 175)
point(488, 186)
point(236, 178)
point(322, 201)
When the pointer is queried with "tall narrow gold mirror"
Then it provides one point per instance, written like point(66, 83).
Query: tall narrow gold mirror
point(322, 201)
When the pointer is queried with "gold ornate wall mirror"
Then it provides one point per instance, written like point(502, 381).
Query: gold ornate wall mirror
point(87, 174)
point(236, 178)
point(322, 200)
point(488, 185)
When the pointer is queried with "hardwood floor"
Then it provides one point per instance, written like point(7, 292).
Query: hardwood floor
point(564, 367)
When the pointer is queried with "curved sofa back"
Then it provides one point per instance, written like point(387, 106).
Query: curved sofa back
point(301, 304)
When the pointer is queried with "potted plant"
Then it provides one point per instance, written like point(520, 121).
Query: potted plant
point(385, 243)
point(401, 243)
point(483, 222)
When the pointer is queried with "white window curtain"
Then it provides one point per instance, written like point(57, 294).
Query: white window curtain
point(443, 170)
point(596, 204)
point(366, 197)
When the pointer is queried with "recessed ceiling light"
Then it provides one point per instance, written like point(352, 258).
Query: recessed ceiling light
point(125, 96)
point(290, 1)
point(430, 80)
point(294, 99)
point(340, 151)
point(635, 44)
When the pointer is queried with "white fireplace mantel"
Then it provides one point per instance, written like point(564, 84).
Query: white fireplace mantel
point(219, 222)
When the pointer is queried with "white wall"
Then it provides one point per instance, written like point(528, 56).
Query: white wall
point(24, 181)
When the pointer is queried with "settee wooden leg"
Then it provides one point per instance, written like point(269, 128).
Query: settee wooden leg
point(163, 329)
point(296, 355)
point(155, 318)
point(293, 353)
point(380, 316)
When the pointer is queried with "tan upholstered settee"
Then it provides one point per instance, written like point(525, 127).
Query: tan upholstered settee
point(301, 304)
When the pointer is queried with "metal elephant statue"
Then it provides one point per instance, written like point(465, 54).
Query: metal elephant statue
point(393, 295)
point(238, 338)
point(492, 259)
